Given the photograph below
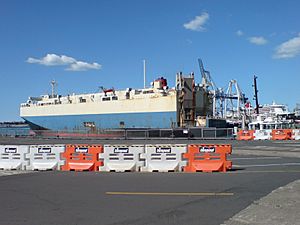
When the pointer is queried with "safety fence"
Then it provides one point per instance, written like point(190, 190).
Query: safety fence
point(277, 134)
point(15, 131)
point(125, 134)
point(117, 158)
point(208, 158)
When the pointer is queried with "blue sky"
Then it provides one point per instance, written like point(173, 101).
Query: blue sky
point(87, 44)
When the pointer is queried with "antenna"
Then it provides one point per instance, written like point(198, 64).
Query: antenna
point(53, 85)
point(144, 62)
point(256, 95)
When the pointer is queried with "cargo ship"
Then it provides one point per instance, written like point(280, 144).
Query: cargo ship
point(155, 107)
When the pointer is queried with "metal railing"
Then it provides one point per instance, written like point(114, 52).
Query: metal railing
point(178, 133)
point(14, 132)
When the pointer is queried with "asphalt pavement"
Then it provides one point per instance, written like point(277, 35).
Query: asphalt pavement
point(56, 197)
point(281, 206)
point(141, 198)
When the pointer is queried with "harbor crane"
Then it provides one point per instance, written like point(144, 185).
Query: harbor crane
point(234, 101)
point(227, 105)
point(210, 86)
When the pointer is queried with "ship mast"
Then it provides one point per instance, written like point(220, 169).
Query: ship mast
point(53, 85)
point(144, 63)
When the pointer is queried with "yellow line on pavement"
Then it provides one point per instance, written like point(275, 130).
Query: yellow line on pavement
point(172, 193)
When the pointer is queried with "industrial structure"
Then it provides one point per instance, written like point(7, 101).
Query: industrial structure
point(229, 104)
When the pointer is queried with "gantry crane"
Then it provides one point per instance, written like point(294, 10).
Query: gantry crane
point(227, 105)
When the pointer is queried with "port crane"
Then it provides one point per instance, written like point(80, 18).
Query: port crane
point(216, 93)
point(234, 101)
point(227, 105)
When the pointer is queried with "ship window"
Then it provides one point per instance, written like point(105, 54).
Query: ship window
point(82, 100)
point(148, 92)
point(106, 99)
point(89, 124)
point(114, 98)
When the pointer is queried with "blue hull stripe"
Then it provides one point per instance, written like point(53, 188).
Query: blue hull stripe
point(106, 121)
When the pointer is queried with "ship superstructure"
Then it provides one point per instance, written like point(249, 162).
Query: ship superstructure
point(154, 107)
point(272, 116)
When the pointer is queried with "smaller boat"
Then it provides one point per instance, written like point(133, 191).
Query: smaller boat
point(274, 116)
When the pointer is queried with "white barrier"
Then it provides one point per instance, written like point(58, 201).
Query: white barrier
point(263, 135)
point(12, 157)
point(296, 134)
point(163, 158)
point(45, 157)
point(121, 158)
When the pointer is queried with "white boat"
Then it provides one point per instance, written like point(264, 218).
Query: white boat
point(273, 116)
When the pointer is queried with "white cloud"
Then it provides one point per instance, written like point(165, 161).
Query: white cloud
point(288, 49)
point(258, 40)
point(197, 23)
point(83, 66)
point(52, 60)
point(239, 33)
point(62, 60)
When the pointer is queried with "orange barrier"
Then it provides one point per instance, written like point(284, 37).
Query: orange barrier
point(207, 158)
point(82, 157)
point(282, 134)
point(245, 135)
